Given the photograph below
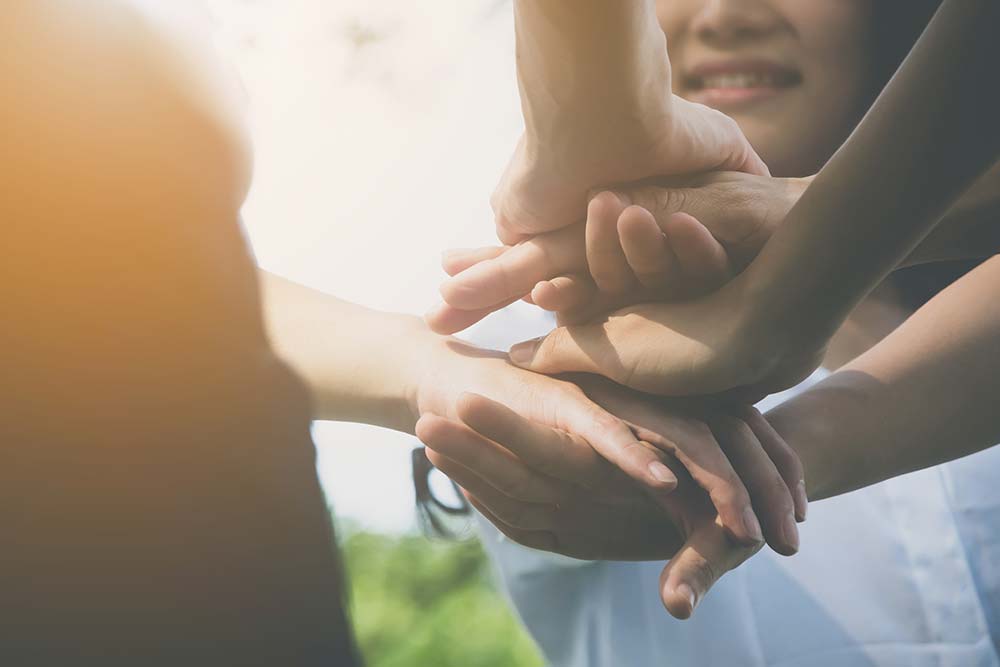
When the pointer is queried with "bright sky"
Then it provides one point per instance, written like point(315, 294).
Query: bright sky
point(380, 130)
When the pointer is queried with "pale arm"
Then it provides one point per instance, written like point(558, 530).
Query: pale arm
point(361, 364)
point(595, 91)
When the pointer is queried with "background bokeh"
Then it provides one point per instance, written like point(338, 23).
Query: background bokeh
point(380, 130)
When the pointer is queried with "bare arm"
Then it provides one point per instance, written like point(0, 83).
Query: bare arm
point(931, 134)
point(924, 395)
point(568, 52)
point(970, 229)
point(595, 91)
point(928, 137)
point(360, 363)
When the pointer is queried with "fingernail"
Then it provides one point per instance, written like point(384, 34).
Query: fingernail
point(752, 525)
point(522, 353)
point(685, 591)
point(662, 473)
point(791, 532)
point(801, 500)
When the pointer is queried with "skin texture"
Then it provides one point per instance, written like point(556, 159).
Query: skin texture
point(124, 157)
point(843, 236)
point(826, 42)
point(891, 411)
point(420, 374)
point(565, 52)
point(804, 421)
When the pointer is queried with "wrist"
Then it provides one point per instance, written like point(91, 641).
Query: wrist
point(375, 382)
point(816, 425)
point(568, 55)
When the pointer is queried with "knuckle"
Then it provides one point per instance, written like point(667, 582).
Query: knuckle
point(788, 464)
point(730, 494)
point(780, 493)
point(550, 348)
point(606, 422)
point(517, 489)
point(666, 201)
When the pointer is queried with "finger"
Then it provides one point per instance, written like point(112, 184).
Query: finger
point(772, 500)
point(717, 139)
point(491, 462)
point(456, 260)
point(580, 348)
point(589, 531)
point(513, 512)
point(665, 363)
point(701, 257)
point(533, 539)
point(698, 564)
point(445, 320)
point(508, 233)
point(577, 414)
point(549, 451)
point(564, 293)
point(705, 460)
point(605, 257)
point(515, 272)
point(784, 457)
point(600, 304)
point(645, 247)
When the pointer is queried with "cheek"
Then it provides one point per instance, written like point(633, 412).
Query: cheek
point(835, 40)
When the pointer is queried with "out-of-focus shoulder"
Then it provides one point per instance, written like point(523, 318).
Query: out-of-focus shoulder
point(103, 77)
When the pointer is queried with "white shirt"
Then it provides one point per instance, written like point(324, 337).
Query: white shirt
point(903, 573)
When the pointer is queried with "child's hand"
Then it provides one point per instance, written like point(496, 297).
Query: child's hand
point(672, 240)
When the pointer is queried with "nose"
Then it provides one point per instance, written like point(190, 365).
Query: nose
point(729, 22)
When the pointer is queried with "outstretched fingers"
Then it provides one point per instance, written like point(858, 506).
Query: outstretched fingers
point(513, 273)
point(567, 451)
point(772, 497)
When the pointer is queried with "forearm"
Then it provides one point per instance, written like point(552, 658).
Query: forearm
point(589, 58)
point(361, 365)
point(970, 229)
point(928, 137)
point(924, 395)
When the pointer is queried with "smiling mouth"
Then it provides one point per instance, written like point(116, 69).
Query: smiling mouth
point(773, 79)
point(729, 84)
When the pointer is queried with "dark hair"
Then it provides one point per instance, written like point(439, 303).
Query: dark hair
point(432, 512)
point(896, 26)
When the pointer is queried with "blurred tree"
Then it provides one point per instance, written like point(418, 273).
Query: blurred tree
point(423, 603)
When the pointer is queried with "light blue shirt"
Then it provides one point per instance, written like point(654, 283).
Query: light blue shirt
point(904, 573)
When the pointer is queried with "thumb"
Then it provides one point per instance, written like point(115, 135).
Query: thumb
point(715, 140)
point(707, 555)
point(582, 348)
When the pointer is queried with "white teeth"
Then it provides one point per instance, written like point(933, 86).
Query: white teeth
point(741, 80)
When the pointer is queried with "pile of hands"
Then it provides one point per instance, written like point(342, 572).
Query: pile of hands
point(628, 432)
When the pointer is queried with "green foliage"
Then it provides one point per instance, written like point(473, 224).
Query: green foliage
point(422, 603)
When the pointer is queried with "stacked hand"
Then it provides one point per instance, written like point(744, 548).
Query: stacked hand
point(609, 437)
point(539, 485)
point(637, 289)
point(660, 241)
point(536, 484)
point(643, 250)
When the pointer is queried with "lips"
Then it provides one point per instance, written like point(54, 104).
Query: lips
point(736, 82)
